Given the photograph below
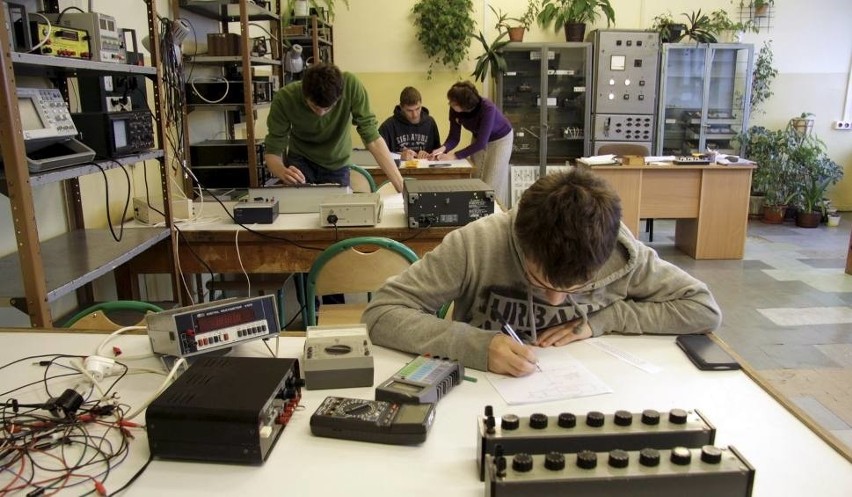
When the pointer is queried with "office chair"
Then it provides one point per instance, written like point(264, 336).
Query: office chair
point(346, 268)
point(620, 150)
point(96, 318)
point(360, 179)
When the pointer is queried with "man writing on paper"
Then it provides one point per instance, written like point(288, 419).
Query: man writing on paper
point(308, 139)
point(557, 268)
point(411, 132)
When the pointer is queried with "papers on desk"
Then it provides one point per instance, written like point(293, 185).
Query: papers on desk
point(562, 377)
point(424, 163)
point(598, 160)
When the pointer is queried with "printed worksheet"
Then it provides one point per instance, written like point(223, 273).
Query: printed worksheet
point(561, 377)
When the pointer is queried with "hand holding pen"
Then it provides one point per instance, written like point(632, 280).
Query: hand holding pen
point(508, 330)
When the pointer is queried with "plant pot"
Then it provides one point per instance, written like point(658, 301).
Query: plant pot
point(773, 214)
point(833, 220)
point(517, 33)
point(575, 31)
point(761, 11)
point(808, 219)
point(802, 126)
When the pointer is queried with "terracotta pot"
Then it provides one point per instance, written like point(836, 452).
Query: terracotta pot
point(761, 11)
point(516, 33)
point(575, 31)
point(773, 214)
point(808, 219)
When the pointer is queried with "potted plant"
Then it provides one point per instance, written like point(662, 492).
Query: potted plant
point(519, 25)
point(444, 29)
point(762, 76)
point(670, 31)
point(803, 124)
point(573, 15)
point(491, 59)
point(760, 8)
point(700, 27)
point(775, 177)
point(816, 172)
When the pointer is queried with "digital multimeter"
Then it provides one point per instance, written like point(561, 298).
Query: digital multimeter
point(373, 421)
point(423, 380)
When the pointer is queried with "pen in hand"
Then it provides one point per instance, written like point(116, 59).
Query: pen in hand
point(511, 332)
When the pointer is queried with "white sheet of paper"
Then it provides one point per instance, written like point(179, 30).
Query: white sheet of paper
point(561, 377)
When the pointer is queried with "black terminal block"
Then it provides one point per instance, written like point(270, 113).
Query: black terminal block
point(706, 471)
point(594, 431)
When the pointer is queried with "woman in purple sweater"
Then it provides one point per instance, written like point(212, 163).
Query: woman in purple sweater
point(492, 137)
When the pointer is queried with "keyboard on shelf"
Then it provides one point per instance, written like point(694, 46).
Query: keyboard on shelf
point(691, 161)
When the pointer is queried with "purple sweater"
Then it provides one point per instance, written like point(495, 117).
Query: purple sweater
point(486, 122)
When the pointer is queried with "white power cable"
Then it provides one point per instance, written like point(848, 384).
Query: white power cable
point(180, 362)
point(100, 350)
point(240, 259)
point(197, 94)
point(46, 36)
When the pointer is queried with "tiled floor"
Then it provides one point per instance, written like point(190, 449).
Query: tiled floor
point(787, 310)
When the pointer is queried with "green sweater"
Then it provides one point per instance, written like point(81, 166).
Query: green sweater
point(294, 128)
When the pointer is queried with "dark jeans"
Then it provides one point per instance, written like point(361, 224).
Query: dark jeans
point(314, 173)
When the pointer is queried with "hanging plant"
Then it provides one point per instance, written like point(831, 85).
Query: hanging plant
point(444, 30)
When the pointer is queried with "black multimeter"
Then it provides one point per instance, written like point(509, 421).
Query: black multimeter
point(423, 380)
point(373, 421)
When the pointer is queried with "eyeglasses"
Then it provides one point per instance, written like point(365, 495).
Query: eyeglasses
point(535, 282)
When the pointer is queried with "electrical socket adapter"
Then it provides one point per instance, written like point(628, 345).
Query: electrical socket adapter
point(842, 125)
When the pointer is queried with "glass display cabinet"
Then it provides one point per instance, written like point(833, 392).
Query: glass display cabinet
point(545, 95)
point(705, 92)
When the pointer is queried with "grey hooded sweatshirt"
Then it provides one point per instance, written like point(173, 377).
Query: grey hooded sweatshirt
point(478, 267)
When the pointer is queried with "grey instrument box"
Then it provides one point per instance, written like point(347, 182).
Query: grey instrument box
point(448, 202)
point(337, 357)
point(298, 199)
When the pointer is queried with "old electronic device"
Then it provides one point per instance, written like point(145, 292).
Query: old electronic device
point(225, 163)
point(355, 209)
point(299, 199)
point(450, 202)
point(625, 87)
point(208, 91)
point(210, 326)
point(49, 131)
point(706, 471)
point(706, 354)
point(256, 211)
point(373, 421)
point(148, 210)
point(105, 37)
point(116, 134)
point(423, 380)
point(596, 431)
point(113, 92)
point(337, 357)
point(59, 41)
point(224, 409)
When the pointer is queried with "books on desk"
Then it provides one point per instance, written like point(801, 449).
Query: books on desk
point(599, 160)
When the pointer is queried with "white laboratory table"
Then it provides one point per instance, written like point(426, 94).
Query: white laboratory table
point(790, 460)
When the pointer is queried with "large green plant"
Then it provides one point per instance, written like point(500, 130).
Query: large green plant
point(792, 168)
point(762, 76)
point(444, 30)
point(560, 12)
point(491, 60)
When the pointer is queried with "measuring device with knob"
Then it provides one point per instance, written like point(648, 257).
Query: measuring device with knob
point(423, 380)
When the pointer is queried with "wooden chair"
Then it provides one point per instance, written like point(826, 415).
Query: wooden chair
point(361, 180)
point(620, 150)
point(96, 317)
point(346, 267)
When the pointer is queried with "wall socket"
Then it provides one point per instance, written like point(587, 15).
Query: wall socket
point(844, 125)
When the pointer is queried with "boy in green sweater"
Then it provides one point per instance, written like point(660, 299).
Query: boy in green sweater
point(308, 139)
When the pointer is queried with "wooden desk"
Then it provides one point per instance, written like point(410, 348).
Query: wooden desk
point(710, 204)
point(459, 170)
point(289, 245)
point(790, 460)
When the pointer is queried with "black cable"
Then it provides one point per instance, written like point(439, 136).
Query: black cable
point(126, 202)
point(134, 477)
point(59, 18)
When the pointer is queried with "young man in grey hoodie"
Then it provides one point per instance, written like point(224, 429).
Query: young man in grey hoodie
point(559, 267)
